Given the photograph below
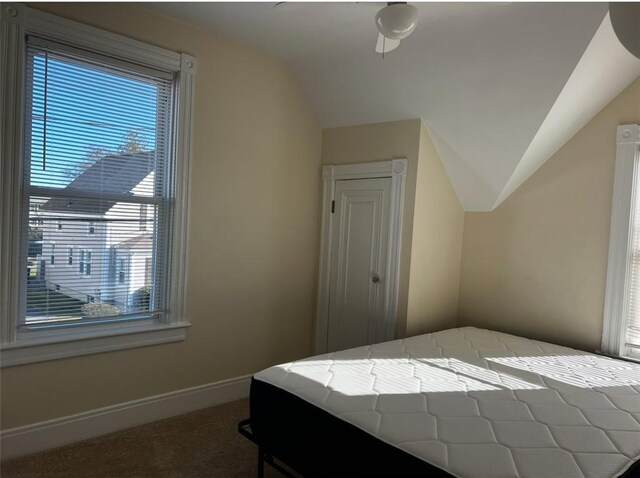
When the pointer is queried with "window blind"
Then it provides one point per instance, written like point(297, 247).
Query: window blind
point(97, 186)
point(633, 325)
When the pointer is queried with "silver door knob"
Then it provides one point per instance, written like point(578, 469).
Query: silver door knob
point(375, 279)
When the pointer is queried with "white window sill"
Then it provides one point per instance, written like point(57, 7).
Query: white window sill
point(632, 356)
point(84, 343)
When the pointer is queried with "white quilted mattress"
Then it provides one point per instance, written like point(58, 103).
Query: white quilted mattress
point(479, 403)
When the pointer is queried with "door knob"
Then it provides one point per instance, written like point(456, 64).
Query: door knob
point(375, 279)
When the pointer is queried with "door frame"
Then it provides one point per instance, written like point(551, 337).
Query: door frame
point(396, 169)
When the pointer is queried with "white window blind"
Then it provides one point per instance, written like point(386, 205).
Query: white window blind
point(96, 181)
point(633, 324)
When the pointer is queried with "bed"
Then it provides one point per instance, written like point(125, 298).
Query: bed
point(463, 402)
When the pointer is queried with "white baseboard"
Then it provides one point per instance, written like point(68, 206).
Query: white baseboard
point(41, 436)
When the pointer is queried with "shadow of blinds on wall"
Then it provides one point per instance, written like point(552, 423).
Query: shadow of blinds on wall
point(97, 145)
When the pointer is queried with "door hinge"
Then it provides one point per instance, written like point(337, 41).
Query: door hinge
point(333, 207)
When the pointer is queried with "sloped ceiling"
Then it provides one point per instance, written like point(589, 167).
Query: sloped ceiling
point(500, 85)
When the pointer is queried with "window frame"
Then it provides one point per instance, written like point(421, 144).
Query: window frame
point(122, 269)
point(18, 21)
point(86, 263)
point(142, 227)
point(81, 255)
point(625, 188)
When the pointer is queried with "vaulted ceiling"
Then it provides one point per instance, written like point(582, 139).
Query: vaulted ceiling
point(500, 85)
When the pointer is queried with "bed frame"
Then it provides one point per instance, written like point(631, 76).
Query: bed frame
point(244, 428)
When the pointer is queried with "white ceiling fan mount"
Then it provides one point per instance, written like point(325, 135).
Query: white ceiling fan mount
point(395, 22)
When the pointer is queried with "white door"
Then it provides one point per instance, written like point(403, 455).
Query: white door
point(359, 243)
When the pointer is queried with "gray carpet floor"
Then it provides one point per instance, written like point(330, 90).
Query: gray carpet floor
point(199, 444)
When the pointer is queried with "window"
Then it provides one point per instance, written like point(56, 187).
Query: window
point(143, 217)
point(105, 123)
point(122, 270)
point(621, 331)
point(34, 215)
point(84, 264)
point(148, 272)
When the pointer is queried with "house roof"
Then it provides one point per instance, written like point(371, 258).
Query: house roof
point(112, 174)
point(141, 242)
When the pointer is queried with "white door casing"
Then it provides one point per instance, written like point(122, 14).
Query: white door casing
point(384, 293)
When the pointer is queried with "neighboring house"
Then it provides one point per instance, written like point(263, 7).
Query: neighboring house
point(101, 249)
point(133, 267)
point(36, 225)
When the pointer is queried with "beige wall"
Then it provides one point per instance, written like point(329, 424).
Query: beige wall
point(381, 142)
point(254, 232)
point(536, 266)
point(432, 220)
point(436, 249)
